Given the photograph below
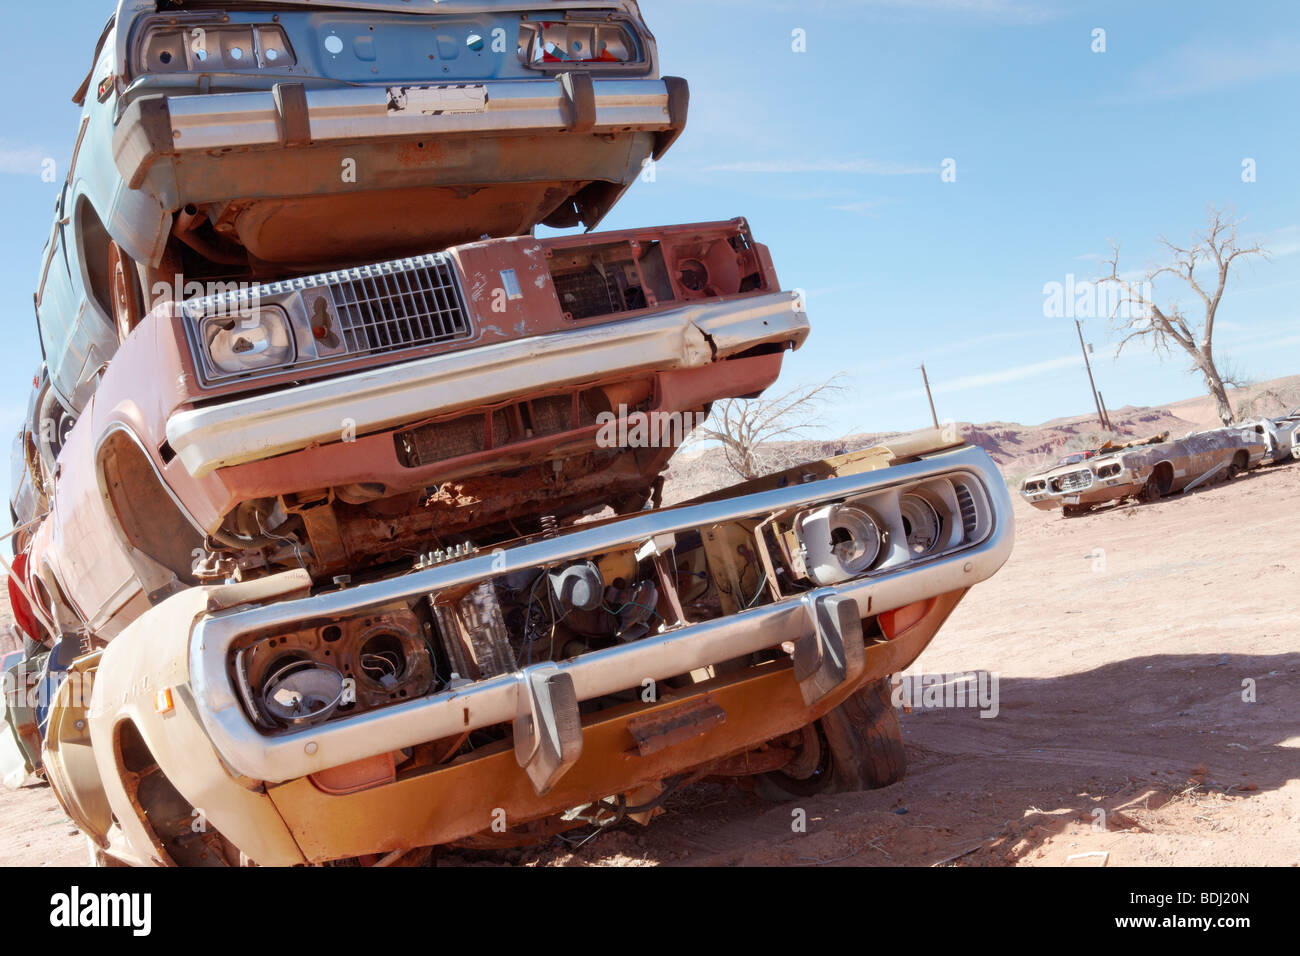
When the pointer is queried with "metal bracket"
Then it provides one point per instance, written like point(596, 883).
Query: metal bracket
point(548, 728)
point(578, 95)
point(834, 652)
point(291, 113)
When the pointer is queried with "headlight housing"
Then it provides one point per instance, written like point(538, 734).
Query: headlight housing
point(313, 321)
point(887, 529)
point(921, 522)
point(840, 542)
point(258, 339)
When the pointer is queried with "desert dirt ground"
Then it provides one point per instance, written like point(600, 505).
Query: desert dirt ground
point(1128, 645)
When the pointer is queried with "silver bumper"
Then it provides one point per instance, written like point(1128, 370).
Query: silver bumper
point(156, 127)
point(251, 429)
point(502, 699)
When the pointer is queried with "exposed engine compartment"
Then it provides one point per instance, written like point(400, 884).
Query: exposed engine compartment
point(333, 669)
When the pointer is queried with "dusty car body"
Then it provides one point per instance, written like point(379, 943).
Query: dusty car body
point(354, 557)
point(1147, 469)
point(237, 143)
point(1282, 436)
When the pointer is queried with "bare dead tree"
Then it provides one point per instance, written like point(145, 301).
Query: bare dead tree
point(741, 426)
point(1233, 375)
point(1140, 318)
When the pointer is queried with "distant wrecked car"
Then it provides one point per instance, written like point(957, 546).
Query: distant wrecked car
point(1282, 435)
point(1147, 469)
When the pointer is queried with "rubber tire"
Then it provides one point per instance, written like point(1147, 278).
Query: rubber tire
point(864, 744)
point(866, 740)
point(127, 298)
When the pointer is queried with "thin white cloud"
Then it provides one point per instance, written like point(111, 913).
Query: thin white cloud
point(1205, 66)
point(1270, 346)
point(937, 345)
point(864, 206)
point(1280, 242)
point(21, 160)
point(1001, 377)
point(1002, 11)
point(855, 167)
point(990, 9)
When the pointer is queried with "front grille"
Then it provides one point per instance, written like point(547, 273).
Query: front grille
point(339, 316)
point(398, 305)
point(1075, 481)
point(969, 516)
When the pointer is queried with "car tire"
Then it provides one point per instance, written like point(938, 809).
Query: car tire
point(862, 749)
point(127, 299)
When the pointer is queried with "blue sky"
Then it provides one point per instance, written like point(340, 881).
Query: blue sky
point(835, 155)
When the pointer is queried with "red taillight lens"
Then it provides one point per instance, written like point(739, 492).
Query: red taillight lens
point(559, 41)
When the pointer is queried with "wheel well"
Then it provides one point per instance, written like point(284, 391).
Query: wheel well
point(1241, 460)
point(148, 518)
point(92, 244)
point(1163, 476)
point(176, 828)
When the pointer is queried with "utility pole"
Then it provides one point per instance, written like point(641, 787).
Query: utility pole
point(1105, 412)
point(925, 378)
point(1101, 418)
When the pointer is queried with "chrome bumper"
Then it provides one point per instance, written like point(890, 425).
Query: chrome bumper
point(155, 127)
point(279, 758)
point(289, 419)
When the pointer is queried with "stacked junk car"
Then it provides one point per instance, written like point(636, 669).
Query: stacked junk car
point(322, 539)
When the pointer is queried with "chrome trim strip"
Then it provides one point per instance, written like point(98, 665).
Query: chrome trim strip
point(493, 701)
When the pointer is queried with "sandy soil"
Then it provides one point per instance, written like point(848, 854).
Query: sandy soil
point(1122, 642)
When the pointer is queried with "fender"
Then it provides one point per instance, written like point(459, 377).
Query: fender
point(131, 731)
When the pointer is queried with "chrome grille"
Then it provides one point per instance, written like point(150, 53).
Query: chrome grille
point(969, 516)
point(1075, 481)
point(337, 316)
point(398, 305)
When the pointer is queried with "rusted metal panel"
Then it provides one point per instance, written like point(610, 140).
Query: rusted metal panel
point(655, 731)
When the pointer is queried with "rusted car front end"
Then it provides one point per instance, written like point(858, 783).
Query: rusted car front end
point(671, 645)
